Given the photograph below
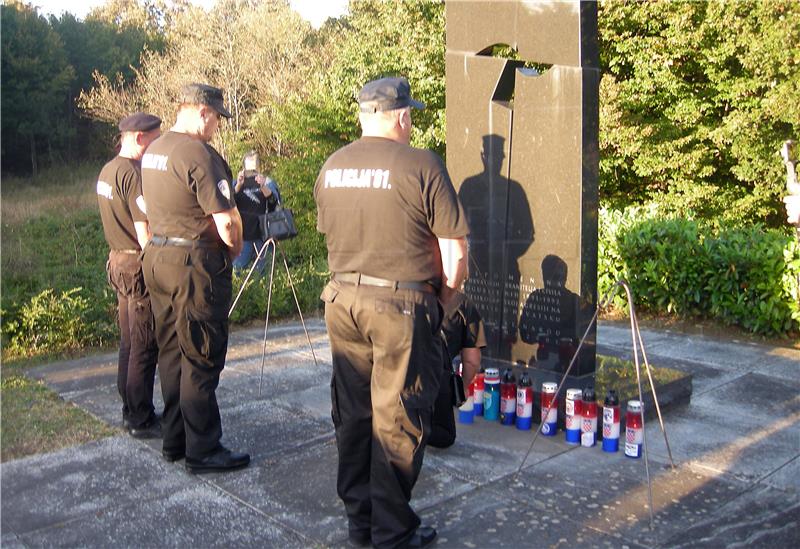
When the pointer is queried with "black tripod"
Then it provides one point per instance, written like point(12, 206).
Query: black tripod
point(259, 254)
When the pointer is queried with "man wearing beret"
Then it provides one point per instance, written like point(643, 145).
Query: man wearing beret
point(395, 233)
point(197, 231)
point(122, 210)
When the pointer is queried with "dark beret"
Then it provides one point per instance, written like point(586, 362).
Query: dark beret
point(387, 94)
point(203, 94)
point(139, 122)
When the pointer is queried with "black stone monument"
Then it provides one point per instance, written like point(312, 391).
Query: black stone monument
point(522, 150)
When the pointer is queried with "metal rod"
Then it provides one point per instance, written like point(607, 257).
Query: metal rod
point(299, 311)
point(249, 274)
point(603, 303)
point(266, 320)
point(653, 389)
point(641, 399)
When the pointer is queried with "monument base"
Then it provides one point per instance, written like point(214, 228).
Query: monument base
point(673, 387)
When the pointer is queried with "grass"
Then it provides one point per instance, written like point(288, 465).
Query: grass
point(50, 239)
point(36, 419)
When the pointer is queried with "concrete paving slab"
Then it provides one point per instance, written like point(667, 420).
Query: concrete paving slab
point(724, 354)
point(785, 478)
point(485, 518)
point(71, 377)
point(758, 397)
point(278, 380)
point(103, 401)
point(737, 449)
point(316, 401)
point(52, 489)
point(266, 428)
point(199, 515)
point(608, 492)
point(761, 517)
point(723, 439)
point(485, 451)
point(11, 541)
point(296, 487)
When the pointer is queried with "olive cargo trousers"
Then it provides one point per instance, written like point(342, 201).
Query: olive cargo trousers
point(386, 371)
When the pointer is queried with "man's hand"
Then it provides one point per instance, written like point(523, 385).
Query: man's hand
point(792, 202)
point(239, 181)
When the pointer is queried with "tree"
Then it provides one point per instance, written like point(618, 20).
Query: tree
point(36, 77)
point(252, 50)
point(696, 98)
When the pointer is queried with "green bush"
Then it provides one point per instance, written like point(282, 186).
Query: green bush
point(751, 280)
point(747, 276)
point(308, 277)
point(664, 262)
point(53, 323)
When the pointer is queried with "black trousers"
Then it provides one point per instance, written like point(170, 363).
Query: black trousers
point(190, 291)
point(386, 372)
point(443, 423)
point(136, 366)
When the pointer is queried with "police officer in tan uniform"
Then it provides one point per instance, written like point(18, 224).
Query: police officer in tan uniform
point(395, 234)
point(197, 231)
point(123, 213)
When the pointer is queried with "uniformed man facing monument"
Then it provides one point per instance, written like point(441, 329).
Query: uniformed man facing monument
point(123, 213)
point(197, 231)
point(395, 234)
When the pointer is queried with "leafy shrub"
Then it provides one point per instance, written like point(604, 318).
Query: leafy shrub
point(53, 323)
point(746, 276)
point(749, 280)
point(664, 263)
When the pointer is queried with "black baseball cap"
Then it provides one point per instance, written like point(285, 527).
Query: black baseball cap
point(203, 94)
point(386, 94)
point(139, 122)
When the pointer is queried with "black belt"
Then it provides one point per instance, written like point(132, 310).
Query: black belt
point(159, 240)
point(366, 280)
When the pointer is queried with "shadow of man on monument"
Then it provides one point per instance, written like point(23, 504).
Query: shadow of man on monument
point(549, 315)
point(501, 231)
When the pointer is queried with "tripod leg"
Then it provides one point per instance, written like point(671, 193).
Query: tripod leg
point(655, 397)
point(266, 320)
point(639, 385)
point(249, 274)
point(297, 303)
point(603, 302)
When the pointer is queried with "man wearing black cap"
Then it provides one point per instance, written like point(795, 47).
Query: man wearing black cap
point(197, 231)
point(122, 210)
point(395, 233)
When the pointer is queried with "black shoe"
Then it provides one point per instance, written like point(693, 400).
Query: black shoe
point(222, 460)
point(423, 537)
point(359, 538)
point(173, 455)
point(151, 429)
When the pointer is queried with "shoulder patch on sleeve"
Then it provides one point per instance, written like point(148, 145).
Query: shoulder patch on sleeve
point(105, 190)
point(224, 188)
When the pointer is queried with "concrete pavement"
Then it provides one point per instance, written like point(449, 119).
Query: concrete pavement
point(736, 447)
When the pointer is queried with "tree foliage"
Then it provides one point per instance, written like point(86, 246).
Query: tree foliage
point(36, 77)
point(46, 64)
point(696, 99)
